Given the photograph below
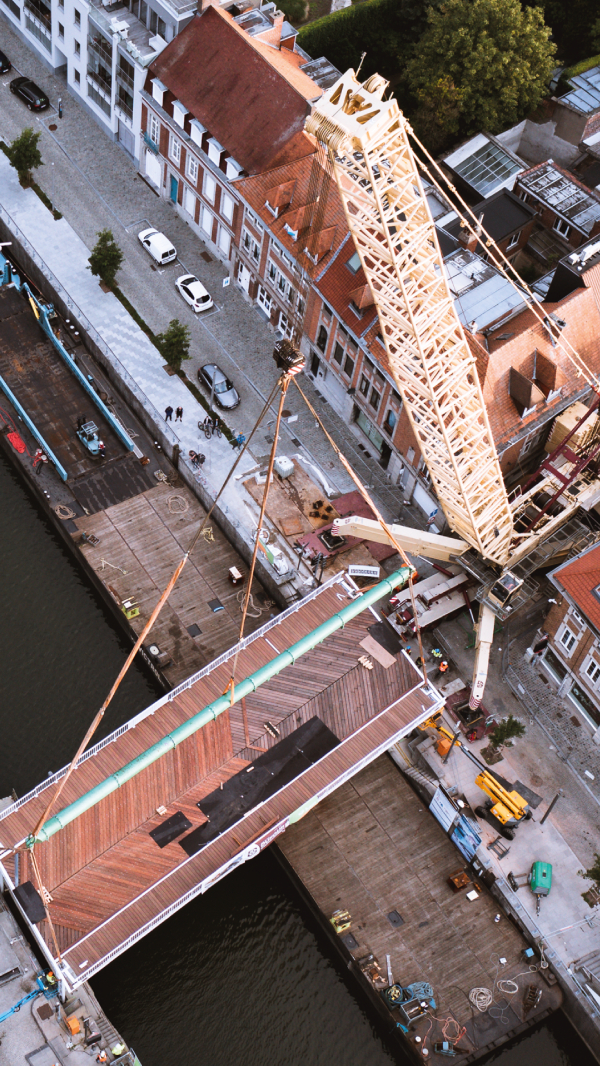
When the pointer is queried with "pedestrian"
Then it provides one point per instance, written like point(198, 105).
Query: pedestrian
point(168, 414)
point(179, 414)
point(419, 661)
point(102, 1057)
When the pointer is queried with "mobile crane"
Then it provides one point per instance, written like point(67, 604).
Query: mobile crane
point(505, 807)
point(366, 140)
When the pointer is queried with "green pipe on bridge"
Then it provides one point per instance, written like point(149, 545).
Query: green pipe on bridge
point(223, 703)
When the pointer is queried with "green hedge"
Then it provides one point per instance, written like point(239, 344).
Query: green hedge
point(384, 29)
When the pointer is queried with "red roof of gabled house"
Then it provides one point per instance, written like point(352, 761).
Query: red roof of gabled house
point(579, 578)
point(298, 187)
point(523, 341)
point(250, 96)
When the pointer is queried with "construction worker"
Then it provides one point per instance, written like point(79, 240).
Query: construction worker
point(443, 667)
point(102, 1057)
point(437, 653)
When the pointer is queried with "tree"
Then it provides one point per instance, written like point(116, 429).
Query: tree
point(498, 56)
point(25, 155)
point(572, 26)
point(294, 9)
point(505, 731)
point(438, 115)
point(594, 871)
point(106, 257)
point(174, 343)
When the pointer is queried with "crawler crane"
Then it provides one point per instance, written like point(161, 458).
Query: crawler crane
point(366, 139)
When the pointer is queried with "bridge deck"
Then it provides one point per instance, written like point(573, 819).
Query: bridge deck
point(106, 875)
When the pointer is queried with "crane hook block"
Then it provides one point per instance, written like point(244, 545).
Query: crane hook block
point(288, 357)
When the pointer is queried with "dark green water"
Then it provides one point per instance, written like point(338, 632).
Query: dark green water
point(241, 976)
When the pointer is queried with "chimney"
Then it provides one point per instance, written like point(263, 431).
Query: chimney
point(468, 239)
point(273, 34)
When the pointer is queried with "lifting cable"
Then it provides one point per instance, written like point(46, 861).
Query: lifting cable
point(478, 230)
point(147, 627)
point(367, 498)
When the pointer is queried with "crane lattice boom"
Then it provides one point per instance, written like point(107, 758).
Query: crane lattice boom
point(428, 354)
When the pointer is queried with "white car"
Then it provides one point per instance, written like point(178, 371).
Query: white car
point(193, 292)
point(159, 246)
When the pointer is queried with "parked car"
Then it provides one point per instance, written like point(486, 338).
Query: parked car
point(193, 292)
point(159, 246)
point(30, 93)
point(5, 64)
point(226, 396)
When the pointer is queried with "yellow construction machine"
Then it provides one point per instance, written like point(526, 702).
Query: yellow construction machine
point(505, 807)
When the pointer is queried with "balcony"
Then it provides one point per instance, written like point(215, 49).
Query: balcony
point(101, 79)
point(40, 14)
point(124, 78)
point(99, 46)
point(124, 105)
point(150, 143)
point(135, 37)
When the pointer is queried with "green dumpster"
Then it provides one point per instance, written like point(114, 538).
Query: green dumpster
point(540, 878)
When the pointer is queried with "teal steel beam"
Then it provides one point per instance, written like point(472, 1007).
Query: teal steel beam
point(32, 428)
point(83, 381)
point(223, 703)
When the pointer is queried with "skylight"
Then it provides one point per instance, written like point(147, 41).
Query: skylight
point(487, 168)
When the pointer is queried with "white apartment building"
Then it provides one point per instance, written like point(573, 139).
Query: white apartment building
point(105, 47)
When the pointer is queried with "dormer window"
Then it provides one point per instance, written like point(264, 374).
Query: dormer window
point(197, 131)
point(233, 169)
point(179, 113)
point(158, 90)
point(354, 263)
point(274, 210)
point(215, 150)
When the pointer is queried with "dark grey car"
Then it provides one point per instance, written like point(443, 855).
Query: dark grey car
point(226, 396)
point(30, 93)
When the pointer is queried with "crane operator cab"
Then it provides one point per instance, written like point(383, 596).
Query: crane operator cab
point(502, 590)
point(88, 435)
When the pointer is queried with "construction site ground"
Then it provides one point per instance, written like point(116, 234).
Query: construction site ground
point(569, 837)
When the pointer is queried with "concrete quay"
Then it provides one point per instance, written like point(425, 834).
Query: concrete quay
point(38, 1032)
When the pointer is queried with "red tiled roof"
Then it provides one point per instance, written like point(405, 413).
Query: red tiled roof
point(250, 96)
point(580, 312)
point(579, 579)
point(338, 285)
point(297, 215)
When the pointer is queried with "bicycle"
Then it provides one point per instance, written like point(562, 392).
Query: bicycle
point(207, 427)
point(217, 427)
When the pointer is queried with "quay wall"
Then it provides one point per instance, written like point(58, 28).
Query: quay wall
point(281, 589)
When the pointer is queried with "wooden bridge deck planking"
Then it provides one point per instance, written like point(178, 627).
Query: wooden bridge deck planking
point(372, 847)
point(142, 537)
point(105, 860)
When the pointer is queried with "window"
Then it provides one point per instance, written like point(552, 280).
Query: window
point(264, 299)
point(61, 31)
point(390, 423)
point(562, 227)
point(175, 149)
point(157, 25)
point(77, 17)
point(593, 672)
point(210, 188)
point(338, 353)
point(364, 385)
point(353, 263)
point(77, 48)
point(224, 241)
point(189, 201)
point(254, 220)
point(576, 615)
point(369, 429)
point(76, 77)
point(348, 366)
point(514, 240)
point(191, 168)
point(585, 704)
point(227, 204)
point(374, 399)
point(206, 221)
point(568, 640)
point(322, 338)
point(61, 4)
point(326, 312)
point(251, 246)
point(153, 128)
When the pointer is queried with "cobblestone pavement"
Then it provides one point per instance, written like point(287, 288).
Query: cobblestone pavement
point(536, 692)
point(95, 185)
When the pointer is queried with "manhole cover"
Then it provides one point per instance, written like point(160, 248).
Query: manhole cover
point(395, 919)
point(575, 721)
point(350, 941)
point(285, 413)
point(206, 257)
point(52, 126)
point(194, 630)
point(297, 442)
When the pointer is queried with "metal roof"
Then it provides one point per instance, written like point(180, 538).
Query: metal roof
point(563, 194)
point(482, 295)
point(585, 94)
point(487, 168)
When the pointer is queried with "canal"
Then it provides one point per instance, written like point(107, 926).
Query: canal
point(241, 975)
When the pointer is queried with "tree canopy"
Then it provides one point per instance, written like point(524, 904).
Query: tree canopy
point(106, 257)
point(174, 343)
point(24, 154)
point(572, 26)
point(497, 56)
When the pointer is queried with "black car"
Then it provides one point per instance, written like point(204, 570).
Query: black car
point(5, 64)
point(225, 395)
point(33, 96)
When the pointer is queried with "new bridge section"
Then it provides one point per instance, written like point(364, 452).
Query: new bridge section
point(109, 880)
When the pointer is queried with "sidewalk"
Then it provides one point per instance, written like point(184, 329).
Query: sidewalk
point(96, 185)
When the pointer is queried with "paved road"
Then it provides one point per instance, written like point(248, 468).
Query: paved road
point(95, 185)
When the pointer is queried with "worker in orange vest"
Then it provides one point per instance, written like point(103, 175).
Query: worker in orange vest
point(443, 667)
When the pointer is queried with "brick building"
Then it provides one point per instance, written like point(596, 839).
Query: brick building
point(239, 110)
point(564, 206)
point(568, 649)
point(508, 220)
